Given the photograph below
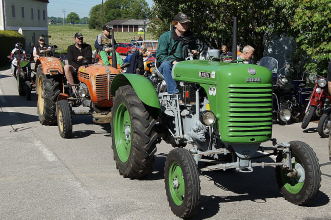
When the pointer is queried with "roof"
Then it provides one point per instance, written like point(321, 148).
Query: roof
point(46, 1)
point(128, 22)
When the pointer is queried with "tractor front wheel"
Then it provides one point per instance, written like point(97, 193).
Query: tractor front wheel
point(133, 134)
point(63, 113)
point(301, 184)
point(182, 182)
point(20, 84)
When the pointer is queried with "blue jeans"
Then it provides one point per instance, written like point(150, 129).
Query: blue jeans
point(166, 69)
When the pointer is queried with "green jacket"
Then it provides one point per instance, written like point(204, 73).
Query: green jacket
point(171, 47)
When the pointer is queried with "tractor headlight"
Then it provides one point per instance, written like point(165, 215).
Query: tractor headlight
point(285, 115)
point(318, 90)
point(284, 81)
point(208, 118)
point(83, 90)
point(321, 82)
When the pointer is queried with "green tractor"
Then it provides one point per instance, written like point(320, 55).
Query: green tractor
point(220, 119)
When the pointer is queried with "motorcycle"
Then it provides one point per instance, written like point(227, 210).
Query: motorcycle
point(289, 97)
point(318, 101)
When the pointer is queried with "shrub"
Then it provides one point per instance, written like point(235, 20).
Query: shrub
point(8, 39)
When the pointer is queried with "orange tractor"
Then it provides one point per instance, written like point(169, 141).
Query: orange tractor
point(92, 96)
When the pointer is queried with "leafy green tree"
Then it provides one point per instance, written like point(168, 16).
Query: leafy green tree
point(118, 9)
point(84, 20)
point(73, 18)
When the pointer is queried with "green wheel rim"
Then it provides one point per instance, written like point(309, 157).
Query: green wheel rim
point(123, 133)
point(295, 183)
point(176, 184)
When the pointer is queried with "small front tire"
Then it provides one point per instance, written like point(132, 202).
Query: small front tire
point(64, 123)
point(300, 185)
point(182, 182)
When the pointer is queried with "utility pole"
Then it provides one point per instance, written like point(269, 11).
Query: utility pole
point(64, 16)
point(144, 29)
point(102, 14)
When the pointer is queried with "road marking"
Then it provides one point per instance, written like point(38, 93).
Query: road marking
point(47, 153)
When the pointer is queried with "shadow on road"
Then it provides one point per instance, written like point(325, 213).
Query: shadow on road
point(14, 118)
point(3, 76)
point(258, 186)
point(310, 130)
point(18, 101)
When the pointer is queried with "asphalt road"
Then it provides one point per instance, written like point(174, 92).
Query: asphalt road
point(43, 176)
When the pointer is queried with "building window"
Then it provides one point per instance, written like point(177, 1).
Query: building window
point(38, 14)
point(44, 15)
point(13, 11)
point(32, 15)
point(22, 12)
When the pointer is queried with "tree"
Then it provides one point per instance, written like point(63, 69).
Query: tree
point(73, 18)
point(84, 20)
point(115, 9)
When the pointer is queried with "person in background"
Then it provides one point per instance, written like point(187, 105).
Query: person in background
point(172, 48)
point(247, 54)
point(103, 44)
point(16, 55)
point(40, 48)
point(77, 53)
point(140, 38)
point(225, 51)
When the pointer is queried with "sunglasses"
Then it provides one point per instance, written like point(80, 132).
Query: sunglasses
point(80, 38)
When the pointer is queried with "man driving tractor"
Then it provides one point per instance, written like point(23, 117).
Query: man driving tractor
point(42, 47)
point(172, 47)
point(77, 53)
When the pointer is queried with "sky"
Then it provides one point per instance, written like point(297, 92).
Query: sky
point(81, 7)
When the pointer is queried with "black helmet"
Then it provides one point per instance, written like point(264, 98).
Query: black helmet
point(107, 27)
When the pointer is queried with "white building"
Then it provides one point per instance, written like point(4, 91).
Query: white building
point(29, 17)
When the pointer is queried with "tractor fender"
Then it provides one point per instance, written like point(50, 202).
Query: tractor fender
point(142, 87)
point(50, 65)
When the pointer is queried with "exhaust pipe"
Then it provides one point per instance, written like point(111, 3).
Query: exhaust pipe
point(114, 59)
point(234, 38)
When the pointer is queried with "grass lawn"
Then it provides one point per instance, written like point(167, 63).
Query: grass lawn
point(62, 36)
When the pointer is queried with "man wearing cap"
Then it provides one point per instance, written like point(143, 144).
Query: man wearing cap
point(173, 47)
point(40, 48)
point(76, 54)
point(103, 43)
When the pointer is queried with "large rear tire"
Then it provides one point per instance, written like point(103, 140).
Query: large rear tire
point(133, 134)
point(48, 91)
point(63, 115)
point(308, 116)
point(300, 185)
point(324, 125)
point(182, 182)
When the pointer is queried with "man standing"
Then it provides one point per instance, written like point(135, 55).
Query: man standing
point(76, 54)
point(103, 43)
point(173, 47)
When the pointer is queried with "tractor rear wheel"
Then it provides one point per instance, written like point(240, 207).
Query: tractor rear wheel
point(308, 116)
point(133, 134)
point(324, 125)
point(64, 123)
point(182, 182)
point(300, 185)
point(48, 90)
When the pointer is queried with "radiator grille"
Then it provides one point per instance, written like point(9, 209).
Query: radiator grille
point(250, 110)
point(103, 85)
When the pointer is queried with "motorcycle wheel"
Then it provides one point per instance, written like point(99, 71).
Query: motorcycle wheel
point(309, 114)
point(324, 126)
